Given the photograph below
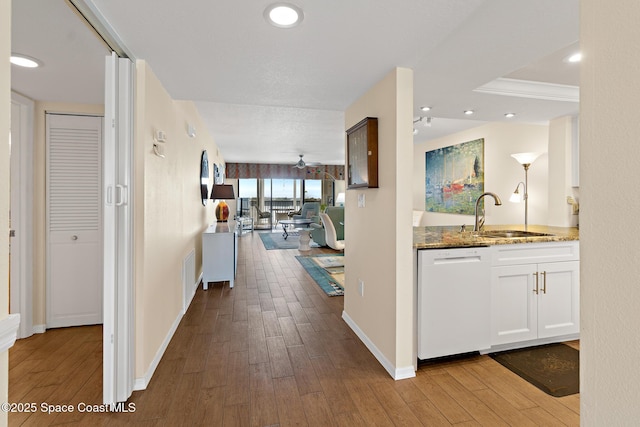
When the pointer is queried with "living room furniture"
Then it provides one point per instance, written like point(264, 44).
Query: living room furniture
point(219, 253)
point(245, 224)
point(330, 233)
point(336, 213)
point(305, 238)
point(309, 209)
point(260, 215)
point(287, 222)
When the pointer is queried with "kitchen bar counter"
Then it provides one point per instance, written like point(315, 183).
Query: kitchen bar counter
point(450, 236)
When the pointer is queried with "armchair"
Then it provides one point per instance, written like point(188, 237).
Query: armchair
point(262, 214)
point(330, 233)
point(309, 210)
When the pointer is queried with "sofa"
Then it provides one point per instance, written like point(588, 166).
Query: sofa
point(336, 213)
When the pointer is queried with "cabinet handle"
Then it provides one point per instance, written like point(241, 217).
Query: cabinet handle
point(535, 291)
point(544, 282)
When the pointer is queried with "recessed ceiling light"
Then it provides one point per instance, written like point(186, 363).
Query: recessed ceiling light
point(509, 115)
point(468, 112)
point(425, 108)
point(575, 57)
point(24, 61)
point(283, 15)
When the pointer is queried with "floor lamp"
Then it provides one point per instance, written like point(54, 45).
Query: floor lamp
point(525, 159)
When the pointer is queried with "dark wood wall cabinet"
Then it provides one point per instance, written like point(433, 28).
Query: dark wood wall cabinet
point(362, 154)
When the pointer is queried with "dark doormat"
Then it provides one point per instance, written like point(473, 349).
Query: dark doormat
point(553, 368)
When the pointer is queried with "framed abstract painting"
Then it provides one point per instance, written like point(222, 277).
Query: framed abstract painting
point(454, 177)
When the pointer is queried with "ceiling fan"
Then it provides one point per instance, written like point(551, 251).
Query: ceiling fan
point(301, 164)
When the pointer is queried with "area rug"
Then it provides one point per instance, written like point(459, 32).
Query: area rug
point(327, 270)
point(275, 240)
point(553, 368)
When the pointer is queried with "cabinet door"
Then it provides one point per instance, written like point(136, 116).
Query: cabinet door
point(513, 299)
point(559, 299)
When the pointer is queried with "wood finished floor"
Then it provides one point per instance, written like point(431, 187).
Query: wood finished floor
point(273, 351)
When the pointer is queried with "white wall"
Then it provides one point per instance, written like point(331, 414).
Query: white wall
point(560, 171)
point(609, 249)
point(502, 173)
point(380, 234)
point(169, 217)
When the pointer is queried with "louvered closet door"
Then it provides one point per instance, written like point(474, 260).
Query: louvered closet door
point(74, 220)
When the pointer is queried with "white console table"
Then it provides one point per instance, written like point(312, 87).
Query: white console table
point(219, 253)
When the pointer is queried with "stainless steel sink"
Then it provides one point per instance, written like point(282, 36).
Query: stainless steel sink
point(511, 234)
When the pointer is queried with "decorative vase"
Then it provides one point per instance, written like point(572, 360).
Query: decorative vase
point(222, 211)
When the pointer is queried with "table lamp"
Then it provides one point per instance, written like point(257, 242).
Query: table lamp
point(222, 192)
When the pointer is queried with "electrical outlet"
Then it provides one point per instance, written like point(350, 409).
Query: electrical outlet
point(361, 287)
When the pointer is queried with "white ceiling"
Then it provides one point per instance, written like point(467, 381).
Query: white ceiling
point(269, 94)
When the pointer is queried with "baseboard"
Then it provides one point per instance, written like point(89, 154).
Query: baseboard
point(142, 383)
point(9, 331)
point(39, 329)
point(396, 373)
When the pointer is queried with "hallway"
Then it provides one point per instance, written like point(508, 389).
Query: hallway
point(272, 351)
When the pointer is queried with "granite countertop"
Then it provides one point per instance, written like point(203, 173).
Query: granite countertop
point(450, 236)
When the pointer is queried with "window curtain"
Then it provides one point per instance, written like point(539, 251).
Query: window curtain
point(272, 171)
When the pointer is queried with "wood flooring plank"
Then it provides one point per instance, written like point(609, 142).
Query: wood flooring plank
point(263, 401)
point(317, 410)
point(289, 331)
point(477, 409)
point(350, 419)
point(210, 408)
point(311, 340)
point(428, 414)
point(395, 407)
point(509, 391)
point(290, 408)
point(198, 352)
point(279, 358)
point(237, 390)
point(331, 381)
point(503, 408)
point(305, 376)
point(280, 305)
point(216, 364)
point(237, 416)
point(298, 313)
point(271, 324)
point(366, 403)
point(449, 407)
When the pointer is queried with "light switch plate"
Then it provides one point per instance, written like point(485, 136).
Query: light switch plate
point(361, 200)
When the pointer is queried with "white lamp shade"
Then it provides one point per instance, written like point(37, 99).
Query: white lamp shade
point(515, 198)
point(526, 158)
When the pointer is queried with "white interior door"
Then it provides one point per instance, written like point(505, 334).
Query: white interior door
point(74, 220)
point(118, 375)
point(21, 221)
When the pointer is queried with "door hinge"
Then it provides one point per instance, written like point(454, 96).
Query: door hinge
point(12, 233)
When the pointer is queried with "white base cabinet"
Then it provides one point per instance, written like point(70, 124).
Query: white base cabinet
point(533, 297)
point(219, 253)
point(535, 293)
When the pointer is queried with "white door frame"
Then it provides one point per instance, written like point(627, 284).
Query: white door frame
point(21, 301)
point(118, 327)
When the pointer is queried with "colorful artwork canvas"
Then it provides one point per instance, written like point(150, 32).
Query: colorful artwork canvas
point(454, 177)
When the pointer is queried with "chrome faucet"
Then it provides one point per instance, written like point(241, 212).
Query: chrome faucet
point(479, 223)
